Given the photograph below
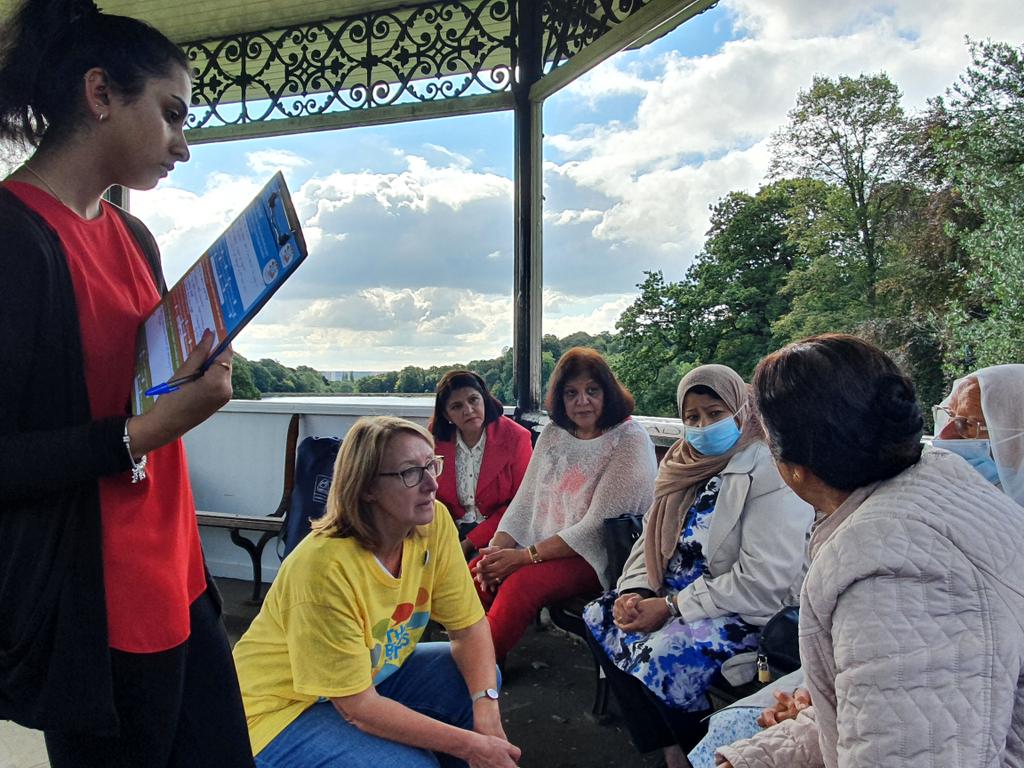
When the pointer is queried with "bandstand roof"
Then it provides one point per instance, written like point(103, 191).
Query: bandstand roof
point(267, 67)
point(273, 67)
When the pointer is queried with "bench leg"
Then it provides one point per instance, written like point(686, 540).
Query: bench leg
point(255, 550)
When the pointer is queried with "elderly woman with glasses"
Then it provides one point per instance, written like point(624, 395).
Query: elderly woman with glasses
point(982, 420)
point(331, 669)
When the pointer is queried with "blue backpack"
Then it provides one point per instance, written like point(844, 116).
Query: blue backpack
point(314, 470)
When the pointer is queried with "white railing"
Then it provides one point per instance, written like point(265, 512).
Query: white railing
point(236, 461)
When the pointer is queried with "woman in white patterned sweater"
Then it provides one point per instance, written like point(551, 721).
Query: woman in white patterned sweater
point(590, 463)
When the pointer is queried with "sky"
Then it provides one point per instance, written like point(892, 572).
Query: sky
point(410, 227)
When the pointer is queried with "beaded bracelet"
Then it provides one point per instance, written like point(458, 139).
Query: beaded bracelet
point(138, 467)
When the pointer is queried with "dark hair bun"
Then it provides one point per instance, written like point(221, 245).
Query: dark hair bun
point(840, 407)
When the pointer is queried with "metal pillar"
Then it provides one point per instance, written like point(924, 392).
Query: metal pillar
point(528, 296)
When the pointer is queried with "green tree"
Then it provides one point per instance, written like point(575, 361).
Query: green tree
point(242, 383)
point(410, 379)
point(725, 308)
point(383, 383)
point(738, 278)
point(979, 136)
point(656, 333)
point(852, 134)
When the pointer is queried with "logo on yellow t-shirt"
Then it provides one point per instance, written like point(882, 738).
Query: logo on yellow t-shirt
point(397, 633)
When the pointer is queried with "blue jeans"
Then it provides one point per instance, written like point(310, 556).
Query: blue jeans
point(428, 682)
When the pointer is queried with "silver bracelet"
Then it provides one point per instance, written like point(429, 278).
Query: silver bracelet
point(138, 467)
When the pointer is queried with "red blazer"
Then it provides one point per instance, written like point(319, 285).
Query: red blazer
point(506, 455)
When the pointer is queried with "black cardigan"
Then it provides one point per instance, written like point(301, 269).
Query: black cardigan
point(54, 656)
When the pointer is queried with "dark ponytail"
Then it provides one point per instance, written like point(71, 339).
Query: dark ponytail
point(48, 45)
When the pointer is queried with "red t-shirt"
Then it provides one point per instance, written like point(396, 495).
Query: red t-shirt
point(152, 560)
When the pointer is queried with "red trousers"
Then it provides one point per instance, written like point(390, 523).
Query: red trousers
point(514, 606)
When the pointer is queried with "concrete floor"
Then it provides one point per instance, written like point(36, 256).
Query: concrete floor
point(546, 700)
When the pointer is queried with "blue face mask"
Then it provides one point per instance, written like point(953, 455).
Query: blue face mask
point(977, 453)
point(714, 439)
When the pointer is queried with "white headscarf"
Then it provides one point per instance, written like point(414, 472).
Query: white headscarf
point(1002, 403)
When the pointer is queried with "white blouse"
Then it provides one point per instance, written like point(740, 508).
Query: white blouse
point(467, 474)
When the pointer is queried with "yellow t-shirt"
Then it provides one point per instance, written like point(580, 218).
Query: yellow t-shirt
point(336, 622)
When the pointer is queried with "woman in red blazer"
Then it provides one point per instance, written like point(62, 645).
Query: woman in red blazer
point(485, 456)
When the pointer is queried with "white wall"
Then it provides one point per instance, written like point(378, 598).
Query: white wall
point(236, 465)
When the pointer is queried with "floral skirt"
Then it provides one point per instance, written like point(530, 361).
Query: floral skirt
point(725, 727)
point(677, 661)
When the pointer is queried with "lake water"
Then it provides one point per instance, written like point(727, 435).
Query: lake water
point(375, 400)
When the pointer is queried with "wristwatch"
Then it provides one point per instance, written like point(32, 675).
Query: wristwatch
point(673, 608)
point(486, 693)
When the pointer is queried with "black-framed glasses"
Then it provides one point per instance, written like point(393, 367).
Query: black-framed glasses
point(967, 428)
point(413, 476)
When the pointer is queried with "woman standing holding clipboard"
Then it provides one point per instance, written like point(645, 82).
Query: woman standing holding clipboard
point(111, 640)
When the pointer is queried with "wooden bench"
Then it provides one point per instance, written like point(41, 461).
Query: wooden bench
point(268, 526)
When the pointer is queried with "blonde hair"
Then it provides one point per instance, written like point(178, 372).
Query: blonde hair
point(359, 461)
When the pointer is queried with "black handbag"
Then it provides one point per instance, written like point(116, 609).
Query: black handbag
point(779, 645)
point(620, 533)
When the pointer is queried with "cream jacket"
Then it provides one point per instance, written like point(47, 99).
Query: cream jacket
point(756, 546)
point(911, 629)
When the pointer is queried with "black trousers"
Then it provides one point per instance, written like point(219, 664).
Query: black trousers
point(179, 708)
point(651, 723)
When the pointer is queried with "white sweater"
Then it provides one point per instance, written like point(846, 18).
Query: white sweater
point(572, 485)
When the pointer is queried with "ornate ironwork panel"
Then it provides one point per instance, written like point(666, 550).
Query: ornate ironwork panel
point(424, 53)
point(572, 25)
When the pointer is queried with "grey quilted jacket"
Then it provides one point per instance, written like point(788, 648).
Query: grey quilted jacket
point(911, 629)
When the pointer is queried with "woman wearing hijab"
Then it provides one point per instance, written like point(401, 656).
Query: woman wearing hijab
point(982, 420)
point(721, 552)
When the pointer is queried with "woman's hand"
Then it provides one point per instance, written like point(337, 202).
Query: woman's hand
point(624, 611)
point(176, 413)
point(651, 614)
point(496, 564)
point(492, 752)
point(786, 707)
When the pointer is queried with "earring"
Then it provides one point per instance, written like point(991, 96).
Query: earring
point(101, 116)
point(796, 475)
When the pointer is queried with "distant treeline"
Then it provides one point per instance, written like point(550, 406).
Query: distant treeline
point(253, 378)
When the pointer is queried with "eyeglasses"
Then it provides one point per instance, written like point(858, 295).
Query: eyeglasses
point(413, 476)
point(967, 428)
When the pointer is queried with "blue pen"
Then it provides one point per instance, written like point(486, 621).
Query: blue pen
point(173, 385)
point(161, 389)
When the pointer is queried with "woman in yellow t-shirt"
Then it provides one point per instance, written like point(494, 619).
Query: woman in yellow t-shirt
point(331, 671)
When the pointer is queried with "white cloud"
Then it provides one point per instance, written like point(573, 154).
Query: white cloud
point(186, 222)
point(564, 314)
point(268, 161)
point(380, 327)
point(701, 126)
point(414, 265)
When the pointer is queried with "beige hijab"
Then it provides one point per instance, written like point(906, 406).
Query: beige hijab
point(683, 469)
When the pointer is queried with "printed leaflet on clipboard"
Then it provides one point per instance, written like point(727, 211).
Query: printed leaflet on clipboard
point(222, 291)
